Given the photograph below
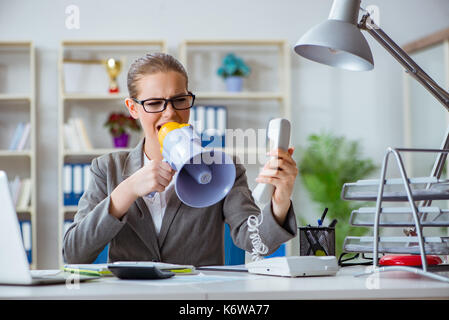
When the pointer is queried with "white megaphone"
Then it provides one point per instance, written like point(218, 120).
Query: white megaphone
point(203, 177)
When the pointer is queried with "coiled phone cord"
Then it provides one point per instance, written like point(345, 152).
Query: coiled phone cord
point(259, 248)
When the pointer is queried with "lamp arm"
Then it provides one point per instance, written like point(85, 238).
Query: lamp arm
point(367, 24)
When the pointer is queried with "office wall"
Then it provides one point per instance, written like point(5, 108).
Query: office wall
point(366, 106)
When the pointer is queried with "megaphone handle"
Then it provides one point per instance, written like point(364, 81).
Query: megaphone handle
point(151, 194)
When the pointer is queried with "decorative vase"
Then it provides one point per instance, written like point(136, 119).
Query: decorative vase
point(234, 83)
point(121, 141)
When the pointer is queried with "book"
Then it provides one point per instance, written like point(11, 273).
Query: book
point(77, 181)
point(210, 123)
point(25, 194)
point(26, 237)
point(89, 269)
point(82, 133)
point(102, 270)
point(75, 135)
point(14, 188)
point(70, 139)
point(67, 185)
point(17, 136)
point(25, 228)
point(76, 177)
point(24, 137)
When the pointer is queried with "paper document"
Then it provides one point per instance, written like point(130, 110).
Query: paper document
point(89, 269)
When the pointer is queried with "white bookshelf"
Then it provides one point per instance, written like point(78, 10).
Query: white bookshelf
point(17, 103)
point(92, 102)
point(266, 92)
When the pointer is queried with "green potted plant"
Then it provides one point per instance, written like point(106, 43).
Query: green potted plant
point(326, 164)
point(232, 70)
point(119, 125)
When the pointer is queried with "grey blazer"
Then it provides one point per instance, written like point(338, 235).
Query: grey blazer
point(188, 235)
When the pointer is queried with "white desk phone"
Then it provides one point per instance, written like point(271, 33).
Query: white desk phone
point(291, 266)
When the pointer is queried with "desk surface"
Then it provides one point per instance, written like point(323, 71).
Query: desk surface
point(224, 285)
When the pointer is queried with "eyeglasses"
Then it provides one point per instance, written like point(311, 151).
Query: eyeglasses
point(181, 102)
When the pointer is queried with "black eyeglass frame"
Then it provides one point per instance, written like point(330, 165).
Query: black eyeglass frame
point(166, 101)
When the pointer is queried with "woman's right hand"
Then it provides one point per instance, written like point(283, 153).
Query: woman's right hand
point(152, 177)
point(155, 176)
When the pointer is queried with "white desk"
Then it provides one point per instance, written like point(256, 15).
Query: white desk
point(244, 286)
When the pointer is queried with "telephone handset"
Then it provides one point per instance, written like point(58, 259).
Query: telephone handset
point(279, 137)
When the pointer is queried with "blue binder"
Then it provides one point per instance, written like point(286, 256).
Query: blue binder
point(103, 256)
point(74, 183)
point(211, 125)
point(280, 252)
point(233, 254)
point(25, 229)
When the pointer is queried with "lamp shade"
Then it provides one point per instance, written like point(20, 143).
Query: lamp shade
point(338, 42)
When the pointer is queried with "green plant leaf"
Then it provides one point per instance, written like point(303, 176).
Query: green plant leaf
point(327, 162)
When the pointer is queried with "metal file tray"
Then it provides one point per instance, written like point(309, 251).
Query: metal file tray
point(416, 215)
point(432, 245)
point(426, 188)
point(400, 217)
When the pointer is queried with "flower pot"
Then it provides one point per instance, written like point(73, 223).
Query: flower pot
point(121, 141)
point(234, 84)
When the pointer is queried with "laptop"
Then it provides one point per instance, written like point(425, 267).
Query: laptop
point(14, 266)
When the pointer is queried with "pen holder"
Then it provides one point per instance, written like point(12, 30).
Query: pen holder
point(316, 241)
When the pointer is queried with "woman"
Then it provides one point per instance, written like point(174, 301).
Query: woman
point(114, 208)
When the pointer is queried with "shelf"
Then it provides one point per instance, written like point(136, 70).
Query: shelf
point(240, 95)
point(400, 217)
point(20, 73)
point(93, 96)
point(230, 42)
point(70, 209)
point(24, 210)
point(409, 245)
point(14, 97)
point(80, 93)
point(93, 152)
point(394, 190)
point(99, 152)
point(199, 95)
point(115, 43)
point(249, 151)
point(13, 153)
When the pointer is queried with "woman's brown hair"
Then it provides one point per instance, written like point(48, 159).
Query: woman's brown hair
point(149, 64)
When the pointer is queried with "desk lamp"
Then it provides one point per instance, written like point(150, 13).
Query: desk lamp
point(339, 42)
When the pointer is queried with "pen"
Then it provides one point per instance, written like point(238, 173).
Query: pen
point(320, 221)
point(318, 250)
point(333, 223)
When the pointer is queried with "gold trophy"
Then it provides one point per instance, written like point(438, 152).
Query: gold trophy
point(113, 67)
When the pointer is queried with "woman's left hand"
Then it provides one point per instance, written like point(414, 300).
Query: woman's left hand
point(281, 172)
